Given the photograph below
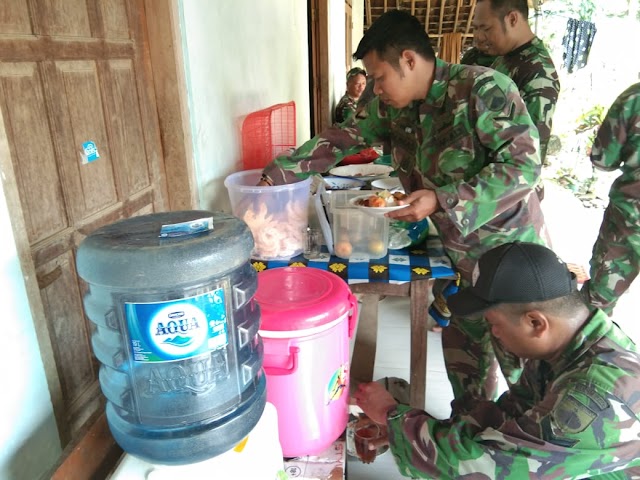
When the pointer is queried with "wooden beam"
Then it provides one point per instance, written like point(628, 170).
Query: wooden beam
point(436, 35)
point(93, 455)
point(413, 7)
point(442, 4)
point(397, 4)
point(455, 25)
point(426, 17)
point(385, 6)
point(471, 12)
point(367, 4)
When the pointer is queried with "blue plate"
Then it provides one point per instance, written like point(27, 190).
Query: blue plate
point(343, 183)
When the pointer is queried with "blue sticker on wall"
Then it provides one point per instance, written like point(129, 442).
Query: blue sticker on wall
point(89, 152)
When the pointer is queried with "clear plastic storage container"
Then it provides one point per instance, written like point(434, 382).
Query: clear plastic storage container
point(356, 233)
point(277, 216)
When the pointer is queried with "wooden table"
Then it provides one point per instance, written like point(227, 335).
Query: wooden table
point(364, 352)
point(404, 273)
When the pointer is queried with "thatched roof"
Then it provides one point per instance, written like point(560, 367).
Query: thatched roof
point(439, 16)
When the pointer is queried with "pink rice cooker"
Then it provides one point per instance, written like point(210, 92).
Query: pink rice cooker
point(308, 316)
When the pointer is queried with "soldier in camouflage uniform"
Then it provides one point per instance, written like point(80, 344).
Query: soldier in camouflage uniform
point(501, 30)
point(465, 150)
point(356, 83)
point(475, 56)
point(575, 411)
point(615, 261)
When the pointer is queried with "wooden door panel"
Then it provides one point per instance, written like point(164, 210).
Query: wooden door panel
point(83, 74)
point(83, 101)
point(114, 17)
point(34, 160)
point(126, 131)
point(61, 297)
point(14, 17)
point(67, 18)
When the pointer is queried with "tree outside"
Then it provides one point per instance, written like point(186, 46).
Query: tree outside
point(613, 64)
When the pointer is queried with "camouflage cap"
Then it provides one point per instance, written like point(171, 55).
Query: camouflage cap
point(356, 71)
point(515, 272)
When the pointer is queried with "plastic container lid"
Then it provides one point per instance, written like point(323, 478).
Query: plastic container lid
point(300, 298)
point(130, 253)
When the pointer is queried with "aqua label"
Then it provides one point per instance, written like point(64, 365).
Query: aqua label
point(179, 329)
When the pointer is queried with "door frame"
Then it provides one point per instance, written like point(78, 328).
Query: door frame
point(163, 66)
point(319, 65)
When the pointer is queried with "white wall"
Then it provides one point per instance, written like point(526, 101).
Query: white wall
point(28, 433)
point(337, 36)
point(357, 12)
point(240, 56)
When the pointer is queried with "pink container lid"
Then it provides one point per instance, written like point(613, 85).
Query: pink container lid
point(301, 298)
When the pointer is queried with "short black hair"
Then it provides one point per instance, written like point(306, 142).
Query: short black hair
point(391, 34)
point(356, 71)
point(503, 7)
point(565, 307)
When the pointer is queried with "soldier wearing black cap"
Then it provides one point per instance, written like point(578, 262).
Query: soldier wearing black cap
point(574, 412)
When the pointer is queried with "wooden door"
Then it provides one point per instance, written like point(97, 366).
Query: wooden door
point(73, 73)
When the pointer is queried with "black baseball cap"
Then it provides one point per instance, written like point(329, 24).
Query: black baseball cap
point(516, 272)
point(356, 71)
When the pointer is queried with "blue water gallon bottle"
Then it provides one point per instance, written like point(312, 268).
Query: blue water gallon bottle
point(176, 333)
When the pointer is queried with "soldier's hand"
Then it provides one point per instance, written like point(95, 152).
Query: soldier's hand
point(422, 203)
point(375, 401)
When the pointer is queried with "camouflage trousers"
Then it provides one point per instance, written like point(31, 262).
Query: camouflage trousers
point(472, 356)
point(615, 260)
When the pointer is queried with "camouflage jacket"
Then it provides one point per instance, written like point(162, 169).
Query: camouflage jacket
point(617, 145)
point(532, 70)
point(473, 56)
point(577, 418)
point(471, 140)
point(345, 108)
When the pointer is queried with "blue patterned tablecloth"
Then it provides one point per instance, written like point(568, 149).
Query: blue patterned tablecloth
point(398, 266)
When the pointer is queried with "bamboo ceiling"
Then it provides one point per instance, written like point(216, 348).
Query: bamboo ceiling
point(439, 16)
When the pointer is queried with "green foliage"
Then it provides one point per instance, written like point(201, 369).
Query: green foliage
point(582, 9)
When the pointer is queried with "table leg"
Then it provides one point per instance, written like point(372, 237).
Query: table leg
point(364, 350)
point(420, 290)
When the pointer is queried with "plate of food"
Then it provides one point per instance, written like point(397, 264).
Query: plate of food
point(379, 203)
point(367, 171)
point(367, 155)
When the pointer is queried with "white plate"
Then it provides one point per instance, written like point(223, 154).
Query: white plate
point(390, 183)
point(374, 211)
point(343, 183)
point(367, 171)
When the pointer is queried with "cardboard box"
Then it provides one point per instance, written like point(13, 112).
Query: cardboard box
point(329, 465)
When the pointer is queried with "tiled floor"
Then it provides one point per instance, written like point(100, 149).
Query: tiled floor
point(573, 230)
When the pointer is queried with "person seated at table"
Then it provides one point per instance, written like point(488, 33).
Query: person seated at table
point(575, 411)
point(467, 154)
point(356, 83)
